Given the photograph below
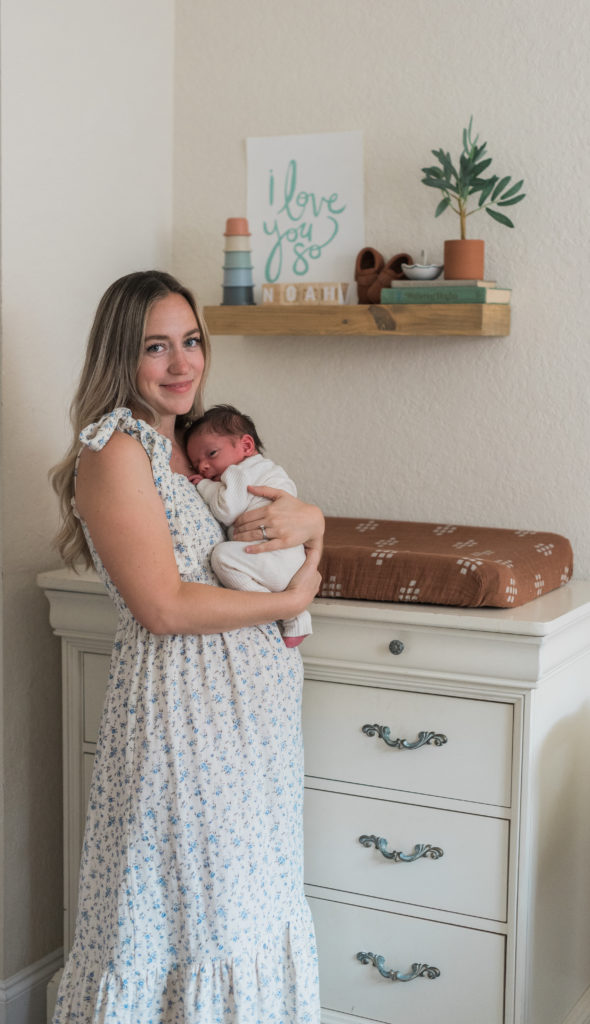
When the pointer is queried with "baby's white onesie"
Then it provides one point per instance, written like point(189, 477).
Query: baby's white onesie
point(270, 571)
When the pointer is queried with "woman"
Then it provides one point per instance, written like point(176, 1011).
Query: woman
point(191, 904)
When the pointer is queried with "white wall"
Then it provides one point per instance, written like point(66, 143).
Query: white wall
point(86, 196)
point(487, 431)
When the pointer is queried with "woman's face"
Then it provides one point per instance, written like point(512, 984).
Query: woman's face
point(172, 362)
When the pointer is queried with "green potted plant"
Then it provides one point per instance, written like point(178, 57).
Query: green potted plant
point(464, 258)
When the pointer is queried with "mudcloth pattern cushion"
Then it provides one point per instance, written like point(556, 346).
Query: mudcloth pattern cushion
point(430, 563)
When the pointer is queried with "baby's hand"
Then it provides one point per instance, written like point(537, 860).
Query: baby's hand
point(196, 478)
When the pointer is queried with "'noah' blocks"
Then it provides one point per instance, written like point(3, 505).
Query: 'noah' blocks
point(316, 293)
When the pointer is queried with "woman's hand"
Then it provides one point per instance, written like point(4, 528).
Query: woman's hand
point(306, 582)
point(287, 522)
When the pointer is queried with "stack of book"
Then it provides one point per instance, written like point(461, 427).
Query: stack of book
point(438, 292)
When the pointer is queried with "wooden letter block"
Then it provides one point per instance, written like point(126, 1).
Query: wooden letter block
point(309, 293)
point(331, 294)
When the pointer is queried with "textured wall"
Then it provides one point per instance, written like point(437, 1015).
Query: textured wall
point(86, 196)
point(489, 431)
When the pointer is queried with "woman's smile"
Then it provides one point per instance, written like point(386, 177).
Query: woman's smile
point(180, 386)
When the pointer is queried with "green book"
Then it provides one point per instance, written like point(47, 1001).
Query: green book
point(430, 293)
point(442, 282)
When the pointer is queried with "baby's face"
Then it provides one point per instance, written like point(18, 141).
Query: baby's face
point(211, 454)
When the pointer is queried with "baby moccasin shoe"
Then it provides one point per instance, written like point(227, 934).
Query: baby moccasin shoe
point(391, 271)
point(369, 263)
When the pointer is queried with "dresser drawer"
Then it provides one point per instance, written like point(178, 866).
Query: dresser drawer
point(433, 638)
point(468, 877)
point(474, 761)
point(470, 987)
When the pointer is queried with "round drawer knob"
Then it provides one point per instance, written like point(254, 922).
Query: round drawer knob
point(396, 646)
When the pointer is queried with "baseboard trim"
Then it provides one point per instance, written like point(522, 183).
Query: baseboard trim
point(581, 1011)
point(23, 996)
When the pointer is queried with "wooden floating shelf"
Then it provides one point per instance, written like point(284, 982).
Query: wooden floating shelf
point(472, 319)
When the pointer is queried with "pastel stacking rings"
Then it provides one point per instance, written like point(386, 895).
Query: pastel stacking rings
point(238, 286)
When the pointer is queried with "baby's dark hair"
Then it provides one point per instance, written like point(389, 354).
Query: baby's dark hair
point(226, 421)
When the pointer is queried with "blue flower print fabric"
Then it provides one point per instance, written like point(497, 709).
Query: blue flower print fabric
point(191, 906)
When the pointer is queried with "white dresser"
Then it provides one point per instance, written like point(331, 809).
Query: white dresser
point(447, 801)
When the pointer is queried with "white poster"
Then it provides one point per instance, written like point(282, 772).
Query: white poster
point(305, 206)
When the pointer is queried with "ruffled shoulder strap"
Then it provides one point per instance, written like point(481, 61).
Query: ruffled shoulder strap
point(157, 447)
point(97, 434)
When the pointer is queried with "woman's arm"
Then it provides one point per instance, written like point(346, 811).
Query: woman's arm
point(287, 522)
point(117, 498)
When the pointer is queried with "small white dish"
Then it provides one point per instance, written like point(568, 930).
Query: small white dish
point(421, 271)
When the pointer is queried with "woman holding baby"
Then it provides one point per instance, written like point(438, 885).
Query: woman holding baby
point(191, 904)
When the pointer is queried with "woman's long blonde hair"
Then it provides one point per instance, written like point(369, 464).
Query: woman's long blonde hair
point(108, 380)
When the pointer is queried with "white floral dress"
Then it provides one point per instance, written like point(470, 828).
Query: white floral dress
point(191, 905)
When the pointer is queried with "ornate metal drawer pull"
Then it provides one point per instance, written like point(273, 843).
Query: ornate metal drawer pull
point(420, 850)
point(416, 971)
point(384, 733)
point(396, 646)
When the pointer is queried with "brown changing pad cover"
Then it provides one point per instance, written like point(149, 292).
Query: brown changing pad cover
point(427, 563)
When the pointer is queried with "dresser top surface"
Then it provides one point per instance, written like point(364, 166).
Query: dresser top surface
point(541, 617)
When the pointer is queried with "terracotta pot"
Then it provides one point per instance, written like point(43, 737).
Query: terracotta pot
point(464, 259)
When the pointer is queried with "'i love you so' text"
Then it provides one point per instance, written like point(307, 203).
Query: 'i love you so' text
point(303, 226)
